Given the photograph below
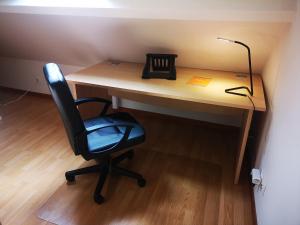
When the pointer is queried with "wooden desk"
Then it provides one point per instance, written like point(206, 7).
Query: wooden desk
point(124, 81)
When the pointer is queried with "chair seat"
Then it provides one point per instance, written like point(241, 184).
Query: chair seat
point(103, 139)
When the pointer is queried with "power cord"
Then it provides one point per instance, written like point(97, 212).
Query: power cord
point(16, 99)
point(13, 101)
point(244, 95)
point(251, 102)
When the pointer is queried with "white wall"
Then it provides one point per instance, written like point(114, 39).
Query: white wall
point(86, 40)
point(280, 147)
point(24, 74)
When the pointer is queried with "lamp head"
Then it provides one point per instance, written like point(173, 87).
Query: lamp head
point(230, 90)
point(225, 39)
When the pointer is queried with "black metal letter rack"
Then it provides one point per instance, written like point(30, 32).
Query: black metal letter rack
point(160, 66)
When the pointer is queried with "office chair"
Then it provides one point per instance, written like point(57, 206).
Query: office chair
point(95, 138)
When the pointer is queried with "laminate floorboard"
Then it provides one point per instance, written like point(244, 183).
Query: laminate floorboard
point(179, 190)
point(35, 153)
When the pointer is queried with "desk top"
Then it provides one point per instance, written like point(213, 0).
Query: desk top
point(127, 77)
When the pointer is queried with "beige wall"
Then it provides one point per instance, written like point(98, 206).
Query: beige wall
point(24, 74)
point(84, 40)
point(279, 156)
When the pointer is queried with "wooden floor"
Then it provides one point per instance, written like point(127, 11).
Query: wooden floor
point(34, 154)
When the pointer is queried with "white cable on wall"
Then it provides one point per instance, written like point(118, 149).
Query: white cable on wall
point(19, 98)
point(15, 100)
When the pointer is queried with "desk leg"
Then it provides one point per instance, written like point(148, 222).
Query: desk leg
point(247, 118)
point(72, 86)
point(115, 102)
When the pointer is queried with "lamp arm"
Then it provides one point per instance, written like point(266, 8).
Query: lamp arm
point(250, 65)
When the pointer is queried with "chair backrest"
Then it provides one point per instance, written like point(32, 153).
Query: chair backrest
point(66, 106)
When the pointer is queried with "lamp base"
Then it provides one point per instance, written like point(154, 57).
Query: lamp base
point(231, 91)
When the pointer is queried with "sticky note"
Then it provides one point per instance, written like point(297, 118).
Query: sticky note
point(202, 81)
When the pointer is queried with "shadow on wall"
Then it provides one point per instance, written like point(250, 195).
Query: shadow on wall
point(131, 46)
point(263, 123)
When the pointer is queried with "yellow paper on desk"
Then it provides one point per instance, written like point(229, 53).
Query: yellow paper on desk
point(202, 81)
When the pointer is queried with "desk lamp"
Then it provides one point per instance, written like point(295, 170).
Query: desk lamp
point(231, 90)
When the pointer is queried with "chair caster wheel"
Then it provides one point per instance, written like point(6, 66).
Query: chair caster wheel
point(130, 154)
point(98, 199)
point(69, 177)
point(141, 182)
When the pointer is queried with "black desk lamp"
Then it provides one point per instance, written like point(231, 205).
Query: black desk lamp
point(231, 90)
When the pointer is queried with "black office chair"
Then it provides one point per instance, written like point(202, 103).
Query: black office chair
point(96, 138)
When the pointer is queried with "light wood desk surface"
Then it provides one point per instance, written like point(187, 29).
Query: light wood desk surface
point(124, 80)
point(127, 77)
